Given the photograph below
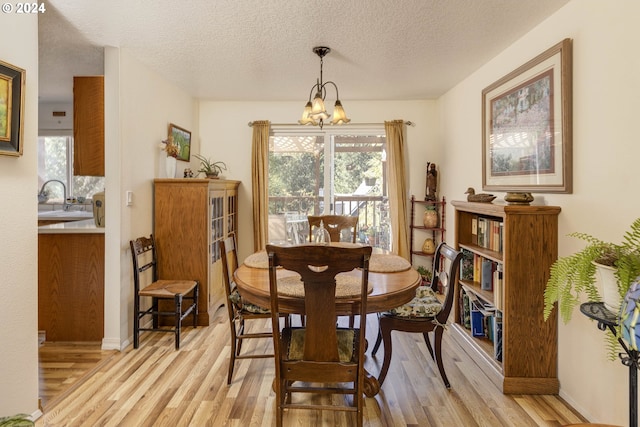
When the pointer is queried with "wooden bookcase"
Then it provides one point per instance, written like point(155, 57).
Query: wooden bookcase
point(191, 218)
point(526, 248)
point(419, 232)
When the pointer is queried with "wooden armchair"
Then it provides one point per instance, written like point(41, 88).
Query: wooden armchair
point(334, 225)
point(425, 313)
point(320, 357)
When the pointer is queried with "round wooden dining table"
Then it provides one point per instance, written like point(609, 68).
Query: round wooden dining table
point(389, 289)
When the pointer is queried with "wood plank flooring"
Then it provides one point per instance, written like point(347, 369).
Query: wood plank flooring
point(156, 385)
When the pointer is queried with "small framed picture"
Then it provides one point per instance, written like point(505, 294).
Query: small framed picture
point(12, 83)
point(182, 138)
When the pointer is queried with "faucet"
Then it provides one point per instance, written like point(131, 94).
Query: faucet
point(65, 205)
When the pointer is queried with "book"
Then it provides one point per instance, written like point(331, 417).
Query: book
point(486, 278)
point(466, 265)
point(498, 286)
point(474, 230)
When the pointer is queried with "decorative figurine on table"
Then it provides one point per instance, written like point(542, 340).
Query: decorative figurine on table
point(188, 173)
point(481, 197)
point(430, 193)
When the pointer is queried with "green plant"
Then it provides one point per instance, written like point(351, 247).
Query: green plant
point(19, 420)
point(575, 274)
point(208, 167)
point(426, 274)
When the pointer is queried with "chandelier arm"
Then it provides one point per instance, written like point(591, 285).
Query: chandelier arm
point(334, 85)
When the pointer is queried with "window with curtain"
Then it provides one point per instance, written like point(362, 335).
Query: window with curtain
point(334, 171)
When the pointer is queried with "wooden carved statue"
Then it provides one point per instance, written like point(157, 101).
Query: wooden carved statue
point(432, 182)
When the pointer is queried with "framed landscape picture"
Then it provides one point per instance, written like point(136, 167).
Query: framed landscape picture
point(527, 126)
point(182, 138)
point(12, 81)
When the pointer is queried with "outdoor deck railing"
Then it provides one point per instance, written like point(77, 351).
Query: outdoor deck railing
point(288, 217)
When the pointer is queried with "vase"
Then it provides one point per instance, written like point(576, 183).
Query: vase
point(170, 164)
point(609, 285)
point(430, 218)
point(429, 247)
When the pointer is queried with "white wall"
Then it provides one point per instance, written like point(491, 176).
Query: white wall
point(137, 117)
point(605, 152)
point(226, 136)
point(18, 232)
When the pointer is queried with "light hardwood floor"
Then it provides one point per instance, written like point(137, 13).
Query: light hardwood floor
point(156, 385)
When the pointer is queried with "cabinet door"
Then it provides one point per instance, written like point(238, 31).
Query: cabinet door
point(217, 234)
point(88, 125)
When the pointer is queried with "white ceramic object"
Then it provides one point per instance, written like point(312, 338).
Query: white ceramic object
point(609, 285)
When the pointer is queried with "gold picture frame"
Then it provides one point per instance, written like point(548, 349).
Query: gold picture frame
point(12, 84)
point(527, 126)
point(181, 138)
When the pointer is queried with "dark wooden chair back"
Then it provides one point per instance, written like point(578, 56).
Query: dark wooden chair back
point(315, 353)
point(446, 267)
point(334, 225)
point(172, 291)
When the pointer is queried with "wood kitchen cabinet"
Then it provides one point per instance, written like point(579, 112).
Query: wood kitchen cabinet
point(71, 286)
point(191, 218)
point(88, 125)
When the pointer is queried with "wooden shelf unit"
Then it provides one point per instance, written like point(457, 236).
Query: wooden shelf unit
point(191, 217)
point(529, 247)
point(416, 225)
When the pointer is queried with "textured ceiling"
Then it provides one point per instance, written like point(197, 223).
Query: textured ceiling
point(261, 50)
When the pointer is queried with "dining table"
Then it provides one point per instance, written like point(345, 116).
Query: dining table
point(392, 283)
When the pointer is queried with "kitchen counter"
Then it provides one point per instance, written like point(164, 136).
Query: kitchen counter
point(87, 226)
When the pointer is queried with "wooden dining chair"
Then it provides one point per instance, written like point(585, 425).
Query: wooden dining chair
point(425, 312)
point(239, 310)
point(145, 270)
point(334, 224)
point(319, 357)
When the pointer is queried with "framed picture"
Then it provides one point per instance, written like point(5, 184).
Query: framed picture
point(182, 138)
point(527, 126)
point(12, 81)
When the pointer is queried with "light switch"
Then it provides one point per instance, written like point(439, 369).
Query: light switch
point(129, 198)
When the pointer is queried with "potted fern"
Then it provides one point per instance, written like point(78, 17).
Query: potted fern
point(576, 273)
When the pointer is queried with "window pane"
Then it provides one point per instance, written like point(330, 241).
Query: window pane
point(356, 186)
point(87, 186)
point(52, 164)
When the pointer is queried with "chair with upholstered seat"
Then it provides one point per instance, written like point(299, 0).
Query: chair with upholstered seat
point(319, 358)
point(239, 310)
point(145, 260)
point(425, 312)
point(335, 224)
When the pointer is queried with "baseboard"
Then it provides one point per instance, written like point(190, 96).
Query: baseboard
point(113, 344)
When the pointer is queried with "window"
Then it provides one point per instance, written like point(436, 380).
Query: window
point(314, 172)
point(55, 161)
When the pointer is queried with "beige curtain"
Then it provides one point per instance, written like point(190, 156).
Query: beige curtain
point(259, 180)
point(397, 186)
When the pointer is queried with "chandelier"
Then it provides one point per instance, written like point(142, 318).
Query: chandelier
point(315, 112)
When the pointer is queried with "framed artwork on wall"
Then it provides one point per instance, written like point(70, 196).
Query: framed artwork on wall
point(12, 84)
point(527, 126)
point(182, 138)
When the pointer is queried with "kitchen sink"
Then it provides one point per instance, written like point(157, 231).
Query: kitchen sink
point(65, 215)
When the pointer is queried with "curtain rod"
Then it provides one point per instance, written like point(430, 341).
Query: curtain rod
point(408, 123)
